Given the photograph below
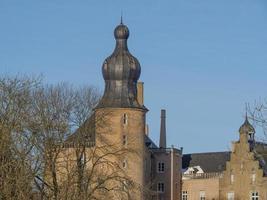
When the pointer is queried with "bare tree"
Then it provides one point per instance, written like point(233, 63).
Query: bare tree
point(258, 113)
point(47, 144)
point(15, 141)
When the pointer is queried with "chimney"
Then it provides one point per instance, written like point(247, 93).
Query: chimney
point(140, 93)
point(162, 141)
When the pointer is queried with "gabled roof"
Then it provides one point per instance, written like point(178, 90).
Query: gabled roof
point(209, 162)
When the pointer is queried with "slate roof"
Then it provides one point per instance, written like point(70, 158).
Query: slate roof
point(261, 155)
point(149, 143)
point(209, 162)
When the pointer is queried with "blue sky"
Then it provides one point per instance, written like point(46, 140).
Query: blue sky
point(201, 60)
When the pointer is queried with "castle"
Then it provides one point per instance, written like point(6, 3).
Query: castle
point(160, 172)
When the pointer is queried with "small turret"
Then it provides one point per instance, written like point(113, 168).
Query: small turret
point(247, 131)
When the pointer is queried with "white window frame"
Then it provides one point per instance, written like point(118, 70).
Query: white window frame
point(254, 195)
point(184, 195)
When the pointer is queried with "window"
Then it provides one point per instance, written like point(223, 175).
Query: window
point(125, 185)
point(124, 140)
point(232, 177)
point(161, 167)
point(124, 164)
point(230, 196)
point(254, 195)
point(202, 195)
point(161, 187)
point(184, 195)
point(253, 176)
point(125, 119)
point(82, 159)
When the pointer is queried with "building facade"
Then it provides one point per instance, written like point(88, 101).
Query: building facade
point(239, 174)
point(245, 173)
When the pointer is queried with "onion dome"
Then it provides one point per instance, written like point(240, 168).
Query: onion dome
point(121, 72)
point(246, 127)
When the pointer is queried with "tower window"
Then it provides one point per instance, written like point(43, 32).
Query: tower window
point(161, 187)
point(253, 176)
point(82, 159)
point(161, 167)
point(124, 140)
point(124, 164)
point(125, 119)
point(232, 177)
point(125, 185)
point(184, 195)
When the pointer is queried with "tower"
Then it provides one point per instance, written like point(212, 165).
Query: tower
point(123, 111)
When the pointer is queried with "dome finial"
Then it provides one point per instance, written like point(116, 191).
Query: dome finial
point(121, 71)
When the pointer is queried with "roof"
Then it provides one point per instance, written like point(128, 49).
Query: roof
point(121, 72)
point(149, 143)
point(84, 135)
point(261, 155)
point(209, 162)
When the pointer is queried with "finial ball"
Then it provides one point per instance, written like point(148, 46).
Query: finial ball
point(121, 32)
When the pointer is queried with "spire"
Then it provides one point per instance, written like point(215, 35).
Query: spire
point(246, 127)
point(121, 18)
point(162, 141)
